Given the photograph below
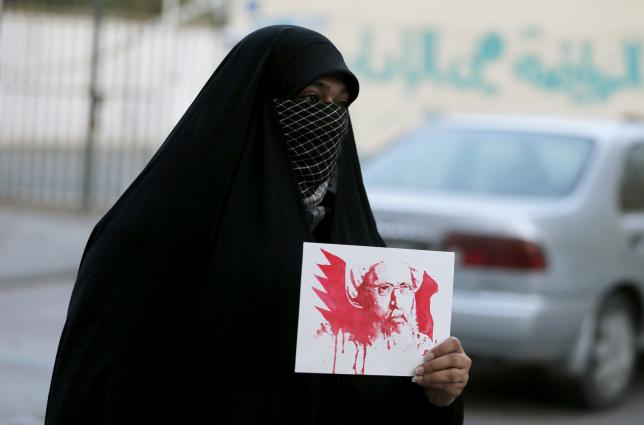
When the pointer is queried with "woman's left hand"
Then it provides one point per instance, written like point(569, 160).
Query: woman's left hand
point(444, 373)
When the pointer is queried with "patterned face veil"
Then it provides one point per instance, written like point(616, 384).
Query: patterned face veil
point(313, 132)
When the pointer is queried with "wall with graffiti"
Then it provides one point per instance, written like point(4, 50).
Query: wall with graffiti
point(417, 58)
point(575, 69)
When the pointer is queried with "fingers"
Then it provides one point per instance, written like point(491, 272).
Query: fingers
point(443, 379)
point(447, 361)
point(450, 345)
point(448, 355)
point(444, 386)
point(445, 372)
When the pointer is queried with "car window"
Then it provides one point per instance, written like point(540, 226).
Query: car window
point(482, 162)
point(632, 188)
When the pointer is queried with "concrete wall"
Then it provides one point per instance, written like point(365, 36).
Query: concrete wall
point(582, 58)
point(413, 58)
point(148, 74)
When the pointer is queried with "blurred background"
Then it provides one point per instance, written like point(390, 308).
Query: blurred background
point(89, 89)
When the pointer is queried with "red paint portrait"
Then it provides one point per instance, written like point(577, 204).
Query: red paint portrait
point(384, 308)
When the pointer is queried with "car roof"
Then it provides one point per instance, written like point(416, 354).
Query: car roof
point(605, 130)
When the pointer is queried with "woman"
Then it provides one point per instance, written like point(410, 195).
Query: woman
point(185, 305)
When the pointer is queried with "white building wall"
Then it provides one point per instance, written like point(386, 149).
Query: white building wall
point(416, 57)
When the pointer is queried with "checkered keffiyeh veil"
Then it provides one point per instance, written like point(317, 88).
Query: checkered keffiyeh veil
point(313, 132)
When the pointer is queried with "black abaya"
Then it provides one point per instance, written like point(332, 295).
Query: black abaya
point(185, 305)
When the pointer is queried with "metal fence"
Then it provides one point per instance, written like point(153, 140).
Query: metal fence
point(86, 98)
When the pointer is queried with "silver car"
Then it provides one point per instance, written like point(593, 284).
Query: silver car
point(546, 217)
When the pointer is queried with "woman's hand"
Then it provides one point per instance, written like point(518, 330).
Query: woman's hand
point(444, 373)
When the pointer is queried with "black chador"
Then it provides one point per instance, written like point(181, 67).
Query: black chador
point(185, 306)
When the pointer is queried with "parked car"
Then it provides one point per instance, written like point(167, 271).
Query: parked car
point(546, 217)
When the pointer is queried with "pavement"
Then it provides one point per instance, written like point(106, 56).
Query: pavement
point(39, 256)
point(37, 244)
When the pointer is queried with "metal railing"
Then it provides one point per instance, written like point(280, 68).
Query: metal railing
point(86, 98)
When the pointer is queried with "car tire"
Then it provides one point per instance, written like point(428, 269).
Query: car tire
point(612, 357)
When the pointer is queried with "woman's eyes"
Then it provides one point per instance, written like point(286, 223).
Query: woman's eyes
point(314, 98)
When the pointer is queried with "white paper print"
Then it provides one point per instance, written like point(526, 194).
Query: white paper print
point(371, 311)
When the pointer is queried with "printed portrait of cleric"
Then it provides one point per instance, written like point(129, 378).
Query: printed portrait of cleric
point(396, 298)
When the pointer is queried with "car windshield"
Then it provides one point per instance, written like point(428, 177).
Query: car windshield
point(482, 162)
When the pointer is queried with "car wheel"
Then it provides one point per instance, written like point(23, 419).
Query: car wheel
point(612, 355)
